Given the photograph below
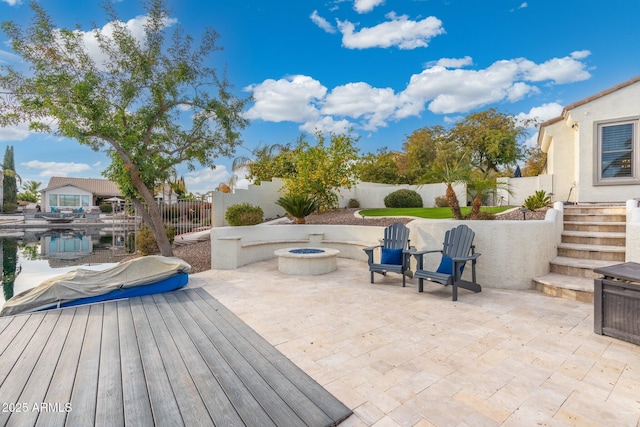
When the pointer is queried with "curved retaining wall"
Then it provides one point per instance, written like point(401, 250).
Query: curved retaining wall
point(513, 252)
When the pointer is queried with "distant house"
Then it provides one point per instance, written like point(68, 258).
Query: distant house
point(63, 193)
point(593, 147)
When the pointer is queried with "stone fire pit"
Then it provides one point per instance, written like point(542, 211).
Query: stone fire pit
point(306, 261)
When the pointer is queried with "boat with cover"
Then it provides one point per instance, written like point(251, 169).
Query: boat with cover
point(140, 276)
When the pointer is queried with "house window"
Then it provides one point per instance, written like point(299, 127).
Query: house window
point(618, 152)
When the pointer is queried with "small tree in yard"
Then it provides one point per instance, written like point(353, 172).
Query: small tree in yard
point(145, 102)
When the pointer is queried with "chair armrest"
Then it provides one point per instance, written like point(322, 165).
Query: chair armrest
point(466, 258)
point(370, 248)
point(420, 253)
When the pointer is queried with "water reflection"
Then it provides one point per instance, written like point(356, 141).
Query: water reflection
point(30, 257)
point(10, 267)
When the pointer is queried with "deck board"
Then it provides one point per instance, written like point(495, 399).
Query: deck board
point(178, 358)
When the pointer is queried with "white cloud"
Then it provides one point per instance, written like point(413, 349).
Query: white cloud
point(322, 23)
point(360, 100)
point(399, 31)
point(364, 6)
point(454, 62)
point(523, 5)
point(559, 70)
point(135, 26)
point(541, 114)
point(326, 124)
point(56, 168)
point(13, 2)
point(14, 133)
point(289, 99)
point(7, 57)
point(440, 89)
point(205, 180)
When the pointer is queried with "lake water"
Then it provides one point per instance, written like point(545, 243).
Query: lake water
point(29, 257)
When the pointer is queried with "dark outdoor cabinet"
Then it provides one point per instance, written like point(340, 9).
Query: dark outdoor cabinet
point(617, 302)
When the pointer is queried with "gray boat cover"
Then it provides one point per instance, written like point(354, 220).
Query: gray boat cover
point(82, 283)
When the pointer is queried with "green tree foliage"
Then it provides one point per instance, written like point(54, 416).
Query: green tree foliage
point(30, 191)
point(150, 102)
point(451, 166)
point(382, 167)
point(9, 183)
point(491, 139)
point(479, 185)
point(322, 169)
point(267, 162)
point(9, 266)
point(420, 148)
point(317, 170)
point(535, 161)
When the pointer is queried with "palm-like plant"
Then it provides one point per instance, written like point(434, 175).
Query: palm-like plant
point(480, 184)
point(450, 167)
point(298, 206)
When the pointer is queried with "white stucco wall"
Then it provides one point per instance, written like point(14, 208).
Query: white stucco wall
point(521, 188)
point(561, 160)
point(622, 104)
point(369, 195)
point(513, 252)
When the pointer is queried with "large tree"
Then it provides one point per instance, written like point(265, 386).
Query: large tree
point(381, 167)
point(420, 147)
point(9, 183)
point(151, 102)
point(491, 138)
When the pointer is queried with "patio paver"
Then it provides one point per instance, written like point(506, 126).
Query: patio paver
point(399, 358)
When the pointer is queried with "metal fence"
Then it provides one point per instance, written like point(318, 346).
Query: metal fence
point(187, 216)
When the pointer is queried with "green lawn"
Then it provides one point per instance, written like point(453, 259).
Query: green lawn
point(431, 213)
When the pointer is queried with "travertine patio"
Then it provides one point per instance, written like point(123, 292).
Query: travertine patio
point(400, 358)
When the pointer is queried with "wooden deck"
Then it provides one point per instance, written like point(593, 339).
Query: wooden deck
point(178, 358)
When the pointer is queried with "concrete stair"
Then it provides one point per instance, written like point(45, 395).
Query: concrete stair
point(594, 236)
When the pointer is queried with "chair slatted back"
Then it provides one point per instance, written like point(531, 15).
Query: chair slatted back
point(396, 236)
point(458, 242)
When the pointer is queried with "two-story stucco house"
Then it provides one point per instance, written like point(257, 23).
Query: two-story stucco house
point(593, 147)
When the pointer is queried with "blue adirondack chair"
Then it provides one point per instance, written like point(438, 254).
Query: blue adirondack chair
point(395, 252)
point(457, 249)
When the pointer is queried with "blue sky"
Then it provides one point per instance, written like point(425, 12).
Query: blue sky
point(383, 68)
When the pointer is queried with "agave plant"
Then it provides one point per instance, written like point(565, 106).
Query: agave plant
point(298, 206)
point(538, 200)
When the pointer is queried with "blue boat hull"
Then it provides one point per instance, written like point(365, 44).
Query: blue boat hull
point(169, 284)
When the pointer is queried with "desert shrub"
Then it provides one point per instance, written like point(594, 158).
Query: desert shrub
point(106, 208)
point(353, 203)
point(442, 202)
point(538, 200)
point(244, 214)
point(403, 199)
point(486, 216)
point(10, 207)
point(146, 242)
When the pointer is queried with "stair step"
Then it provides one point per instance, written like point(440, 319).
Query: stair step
point(599, 209)
point(597, 226)
point(579, 217)
point(592, 252)
point(559, 285)
point(594, 238)
point(578, 267)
